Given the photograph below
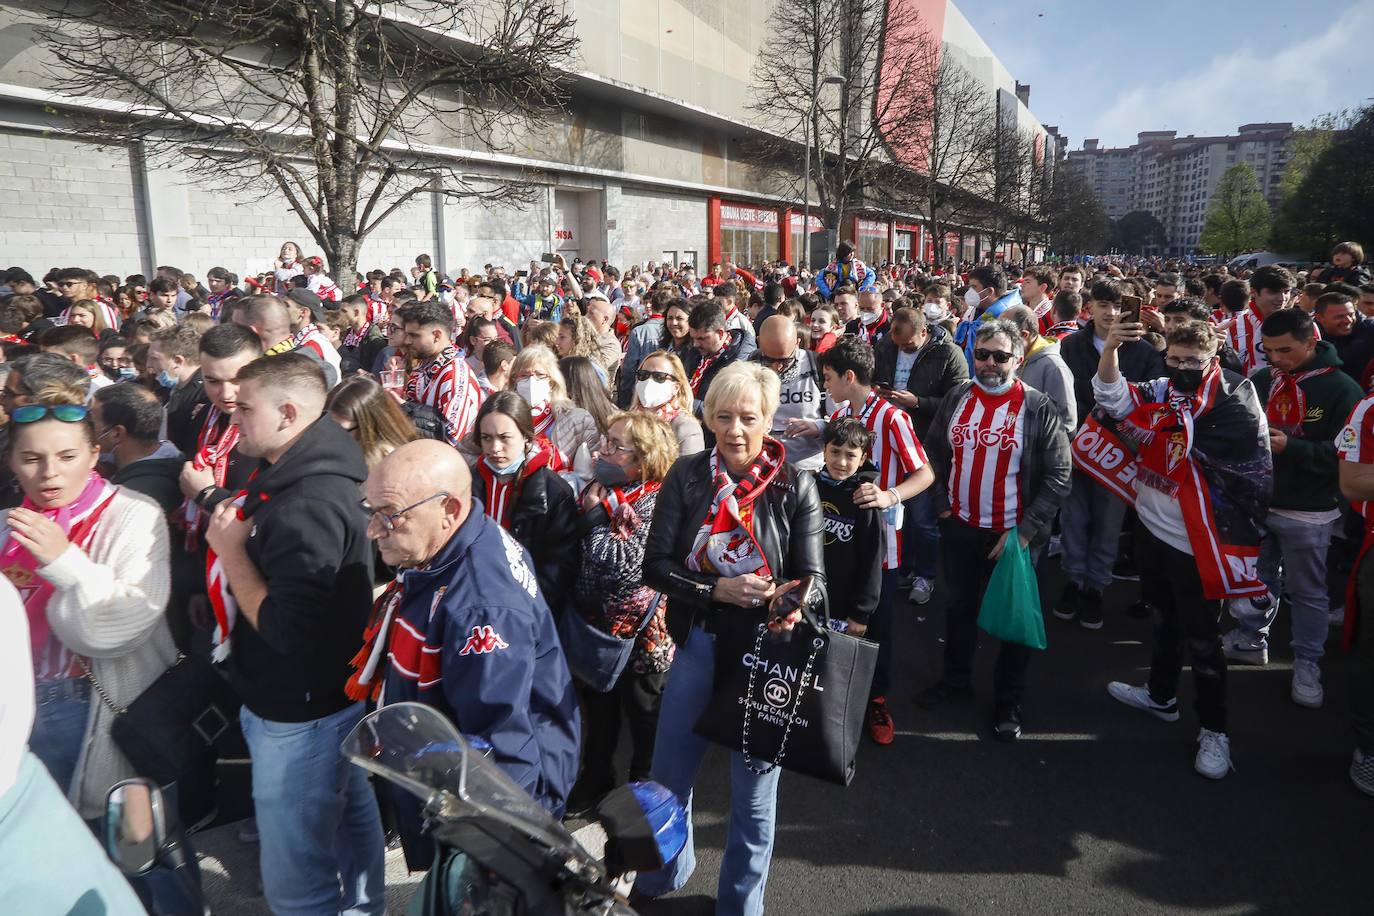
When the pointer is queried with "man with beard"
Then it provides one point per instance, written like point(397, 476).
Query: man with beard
point(1202, 483)
point(1001, 459)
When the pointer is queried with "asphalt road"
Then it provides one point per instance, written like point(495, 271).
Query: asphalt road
point(1096, 810)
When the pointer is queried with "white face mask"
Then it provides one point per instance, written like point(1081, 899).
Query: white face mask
point(869, 318)
point(971, 298)
point(934, 311)
point(534, 390)
point(654, 394)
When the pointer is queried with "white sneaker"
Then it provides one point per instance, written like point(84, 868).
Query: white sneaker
point(1307, 683)
point(921, 590)
point(1213, 754)
point(1243, 650)
point(1139, 697)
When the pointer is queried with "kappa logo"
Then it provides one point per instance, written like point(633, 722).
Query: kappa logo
point(482, 640)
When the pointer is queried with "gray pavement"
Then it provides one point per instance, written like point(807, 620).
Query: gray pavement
point(1096, 810)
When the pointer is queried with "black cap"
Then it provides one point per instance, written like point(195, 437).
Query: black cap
point(308, 299)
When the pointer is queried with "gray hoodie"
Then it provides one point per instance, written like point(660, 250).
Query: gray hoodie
point(1045, 371)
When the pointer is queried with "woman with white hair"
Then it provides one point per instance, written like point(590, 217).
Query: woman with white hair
point(535, 376)
point(734, 528)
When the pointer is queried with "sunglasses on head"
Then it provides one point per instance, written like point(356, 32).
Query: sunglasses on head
point(643, 375)
point(1000, 356)
point(32, 413)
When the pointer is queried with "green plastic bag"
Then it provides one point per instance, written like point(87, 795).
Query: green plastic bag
point(1011, 605)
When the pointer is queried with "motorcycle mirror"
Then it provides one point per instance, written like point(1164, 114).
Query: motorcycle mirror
point(646, 827)
point(135, 825)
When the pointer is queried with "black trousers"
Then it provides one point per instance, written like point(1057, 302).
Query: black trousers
point(1362, 661)
point(635, 696)
point(1169, 581)
point(964, 551)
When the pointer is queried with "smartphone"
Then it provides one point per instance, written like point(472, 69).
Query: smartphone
point(883, 383)
point(796, 598)
point(1130, 308)
point(522, 273)
point(547, 257)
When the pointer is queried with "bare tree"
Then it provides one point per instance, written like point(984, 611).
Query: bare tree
point(850, 128)
point(332, 103)
point(1076, 220)
point(952, 170)
point(1011, 167)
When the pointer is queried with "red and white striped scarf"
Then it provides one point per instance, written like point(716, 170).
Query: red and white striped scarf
point(619, 505)
point(214, 445)
point(501, 492)
point(725, 542)
point(356, 336)
point(363, 683)
point(700, 371)
point(544, 421)
point(222, 603)
point(1287, 406)
point(51, 660)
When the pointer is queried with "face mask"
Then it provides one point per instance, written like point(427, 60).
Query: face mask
point(934, 311)
point(869, 318)
point(509, 469)
point(654, 394)
point(1002, 388)
point(609, 474)
point(971, 298)
point(127, 373)
point(1185, 381)
point(166, 379)
point(534, 390)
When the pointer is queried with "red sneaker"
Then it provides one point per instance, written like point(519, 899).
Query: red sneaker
point(879, 721)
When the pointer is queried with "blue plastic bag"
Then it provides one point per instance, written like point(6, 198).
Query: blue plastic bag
point(1011, 604)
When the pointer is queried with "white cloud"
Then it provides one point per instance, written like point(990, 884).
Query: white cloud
point(1260, 80)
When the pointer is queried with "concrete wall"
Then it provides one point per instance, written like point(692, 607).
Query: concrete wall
point(651, 222)
point(67, 205)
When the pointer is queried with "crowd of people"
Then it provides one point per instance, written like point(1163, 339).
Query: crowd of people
point(343, 492)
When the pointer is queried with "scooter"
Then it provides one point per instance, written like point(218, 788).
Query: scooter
point(498, 852)
point(144, 838)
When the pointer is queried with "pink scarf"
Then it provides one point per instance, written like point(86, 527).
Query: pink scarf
point(77, 520)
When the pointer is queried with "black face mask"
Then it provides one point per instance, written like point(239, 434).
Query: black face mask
point(1185, 381)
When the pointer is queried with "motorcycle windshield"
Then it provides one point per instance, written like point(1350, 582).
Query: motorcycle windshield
point(417, 747)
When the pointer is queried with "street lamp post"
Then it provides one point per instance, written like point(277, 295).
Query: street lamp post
point(806, 171)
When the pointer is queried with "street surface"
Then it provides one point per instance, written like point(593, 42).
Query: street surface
point(1096, 810)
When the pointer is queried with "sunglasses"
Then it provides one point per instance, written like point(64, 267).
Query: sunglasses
point(1000, 356)
point(32, 413)
point(643, 375)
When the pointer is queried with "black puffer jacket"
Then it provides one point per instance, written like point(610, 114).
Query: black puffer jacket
point(787, 523)
point(544, 520)
point(940, 365)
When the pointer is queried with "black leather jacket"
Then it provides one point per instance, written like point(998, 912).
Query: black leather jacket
point(787, 524)
point(544, 520)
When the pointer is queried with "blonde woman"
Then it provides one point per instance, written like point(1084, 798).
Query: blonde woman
point(535, 376)
point(577, 337)
point(661, 387)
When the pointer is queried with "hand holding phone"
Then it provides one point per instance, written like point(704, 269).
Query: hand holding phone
point(1130, 308)
point(785, 609)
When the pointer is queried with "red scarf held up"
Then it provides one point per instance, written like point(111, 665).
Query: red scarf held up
point(77, 520)
point(1287, 406)
point(725, 544)
point(215, 443)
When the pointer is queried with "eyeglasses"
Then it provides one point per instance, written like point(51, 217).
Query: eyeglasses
point(32, 413)
point(780, 364)
point(643, 375)
point(388, 520)
point(1174, 362)
point(608, 447)
point(1000, 356)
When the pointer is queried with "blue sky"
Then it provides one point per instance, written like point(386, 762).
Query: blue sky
point(1110, 69)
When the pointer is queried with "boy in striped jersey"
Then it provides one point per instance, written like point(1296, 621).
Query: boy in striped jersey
point(1001, 458)
point(847, 369)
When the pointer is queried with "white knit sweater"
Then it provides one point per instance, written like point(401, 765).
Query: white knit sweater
point(109, 604)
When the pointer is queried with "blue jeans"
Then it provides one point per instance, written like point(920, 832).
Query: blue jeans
point(1089, 529)
point(321, 837)
point(921, 535)
point(678, 751)
point(1300, 549)
point(59, 727)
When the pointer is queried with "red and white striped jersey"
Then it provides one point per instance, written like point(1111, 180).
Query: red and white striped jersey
point(1356, 443)
point(1247, 341)
point(323, 287)
point(377, 309)
point(312, 338)
point(897, 454)
point(447, 384)
point(986, 435)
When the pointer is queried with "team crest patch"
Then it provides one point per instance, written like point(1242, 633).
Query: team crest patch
point(482, 640)
point(1176, 450)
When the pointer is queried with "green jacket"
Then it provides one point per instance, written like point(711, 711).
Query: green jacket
point(1306, 474)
